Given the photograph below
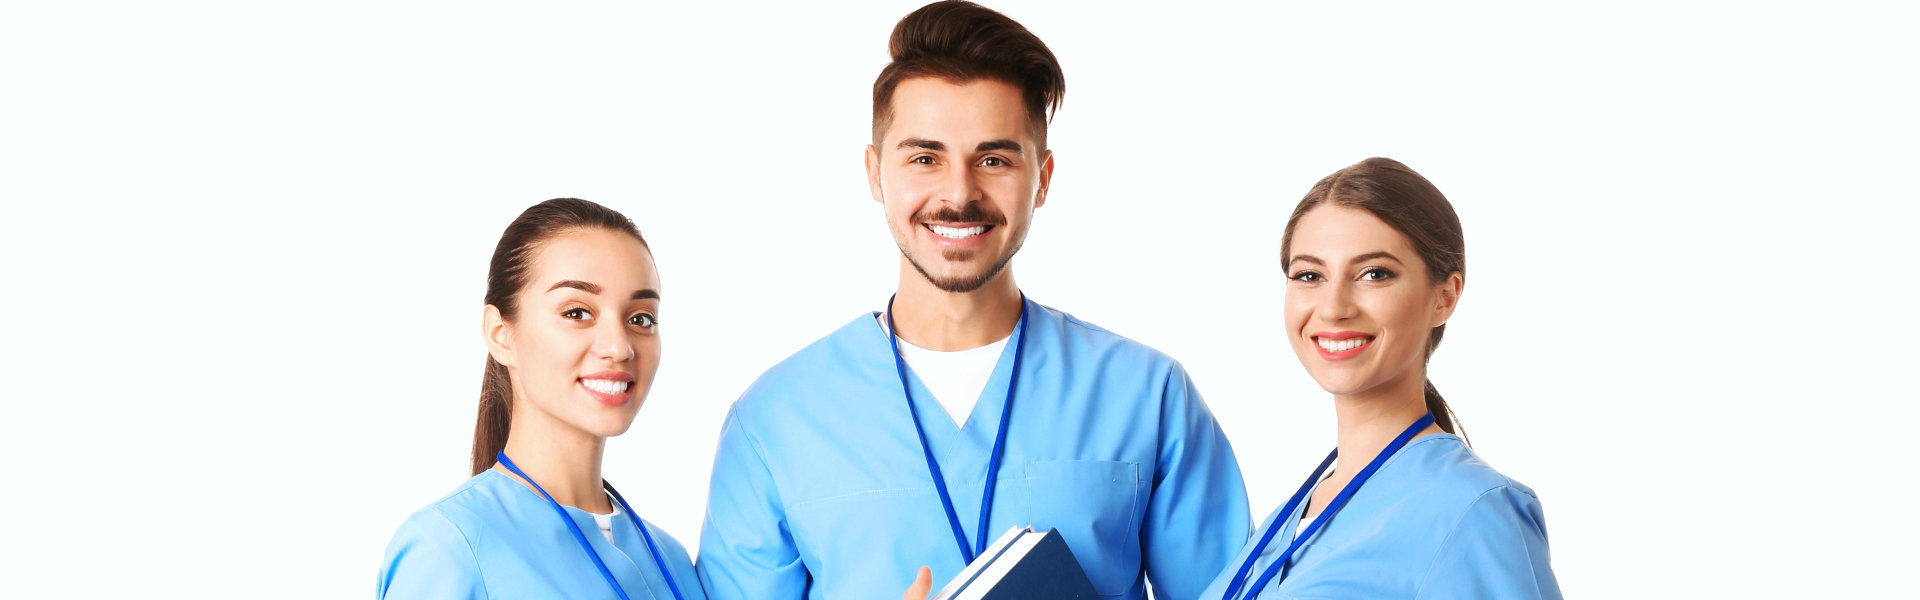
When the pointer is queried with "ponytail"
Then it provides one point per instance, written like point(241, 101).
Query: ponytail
point(1442, 414)
point(496, 416)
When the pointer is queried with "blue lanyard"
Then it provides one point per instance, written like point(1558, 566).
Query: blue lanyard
point(582, 537)
point(999, 440)
point(1280, 561)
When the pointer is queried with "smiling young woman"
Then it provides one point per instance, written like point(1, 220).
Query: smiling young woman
point(572, 332)
point(1376, 262)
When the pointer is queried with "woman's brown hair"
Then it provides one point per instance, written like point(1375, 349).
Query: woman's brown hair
point(506, 275)
point(1411, 205)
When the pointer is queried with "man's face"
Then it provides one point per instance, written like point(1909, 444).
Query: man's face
point(959, 172)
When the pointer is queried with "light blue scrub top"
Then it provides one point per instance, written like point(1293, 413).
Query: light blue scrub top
point(820, 488)
point(494, 538)
point(1433, 522)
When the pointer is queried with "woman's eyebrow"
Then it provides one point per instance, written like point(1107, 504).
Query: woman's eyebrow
point(576, 284)
point(1376, 254)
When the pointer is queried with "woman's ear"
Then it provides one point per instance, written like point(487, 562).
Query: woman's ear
point(1449, 298)
point(498, 333)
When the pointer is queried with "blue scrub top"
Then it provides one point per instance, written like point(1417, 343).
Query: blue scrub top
point(820, 488)
point(1433, 522)
point(494, 538)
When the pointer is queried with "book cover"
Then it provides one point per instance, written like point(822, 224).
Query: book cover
point(1022, 564)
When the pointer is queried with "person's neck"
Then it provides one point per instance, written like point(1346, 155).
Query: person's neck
point(935, 319)
point(1368, 421)
point(564, 462)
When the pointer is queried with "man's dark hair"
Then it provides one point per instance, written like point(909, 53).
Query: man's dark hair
point(960, 42)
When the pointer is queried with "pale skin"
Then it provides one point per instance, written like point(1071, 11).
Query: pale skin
point(948, 146)
point(588, 316)
point(1351, 273)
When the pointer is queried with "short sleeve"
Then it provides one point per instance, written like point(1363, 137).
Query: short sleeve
point(746, 552)
point(1498, 550)
point(430, 558)
point(1197, 517)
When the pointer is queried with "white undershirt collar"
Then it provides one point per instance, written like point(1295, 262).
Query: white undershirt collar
point(606, 521)
point(956, 378)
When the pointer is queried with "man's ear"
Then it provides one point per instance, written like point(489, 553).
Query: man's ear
point(1449, 298)
point(1046, 179)
point(873, 174)
point(498, 334)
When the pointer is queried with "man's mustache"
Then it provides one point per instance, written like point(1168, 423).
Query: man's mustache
point(971, 213)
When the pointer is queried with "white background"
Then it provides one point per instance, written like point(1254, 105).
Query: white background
point(244, 247)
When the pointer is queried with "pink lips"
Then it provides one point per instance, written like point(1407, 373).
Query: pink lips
point(605, 398)
point(1336, 336)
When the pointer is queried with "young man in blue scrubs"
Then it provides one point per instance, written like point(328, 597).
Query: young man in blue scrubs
point(824, 485)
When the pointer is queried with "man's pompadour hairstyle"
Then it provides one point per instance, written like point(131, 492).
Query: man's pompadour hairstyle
point(961, 41)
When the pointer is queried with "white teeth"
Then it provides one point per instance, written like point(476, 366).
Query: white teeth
point(604, 386)
point(957, 232)
point(1342, 345)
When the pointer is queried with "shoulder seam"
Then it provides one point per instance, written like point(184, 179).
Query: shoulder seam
point(468, 543)
point(1427, 576)
point(759, 452)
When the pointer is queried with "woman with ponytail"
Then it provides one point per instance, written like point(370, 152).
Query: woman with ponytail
point(572, 332)
point(1376, 262)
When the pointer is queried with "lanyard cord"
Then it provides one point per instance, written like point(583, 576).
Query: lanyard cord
point(581, 537)
point(967, 553)
point(651, 549)
point(1346, 493)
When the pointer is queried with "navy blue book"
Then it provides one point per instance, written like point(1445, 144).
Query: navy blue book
point(1022, 565)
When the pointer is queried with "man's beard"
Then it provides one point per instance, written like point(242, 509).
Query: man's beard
point(972, 214)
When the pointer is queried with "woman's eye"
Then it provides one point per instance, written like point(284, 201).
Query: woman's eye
point(576, 314)
point(1306, 277)
point(1376, 274)
point(643, 320)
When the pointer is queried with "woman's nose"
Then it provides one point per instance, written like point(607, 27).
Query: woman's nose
point(612, 343)
point(1338, 305)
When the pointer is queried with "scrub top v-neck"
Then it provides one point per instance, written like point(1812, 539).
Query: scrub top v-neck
point(1108, 442)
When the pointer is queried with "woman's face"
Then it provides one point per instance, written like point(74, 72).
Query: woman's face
point(1359, 307)
point(585, 344)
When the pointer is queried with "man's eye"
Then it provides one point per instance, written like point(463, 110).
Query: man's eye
point(922, 159)
point(576, 314)
point(994, 161)
point(643, 320)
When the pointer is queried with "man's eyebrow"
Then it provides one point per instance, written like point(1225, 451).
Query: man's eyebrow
point(998, 145)
point(923, 144)
point(576, 284)
point(647, 294)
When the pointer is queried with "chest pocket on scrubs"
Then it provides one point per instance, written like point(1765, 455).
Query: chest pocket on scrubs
point(1097, 500)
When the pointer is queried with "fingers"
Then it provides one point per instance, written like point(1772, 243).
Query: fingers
point(922, 584)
